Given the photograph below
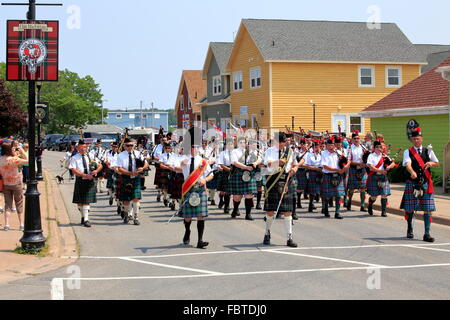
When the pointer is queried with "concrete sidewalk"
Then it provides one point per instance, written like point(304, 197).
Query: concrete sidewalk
point(61, 240)
point(442, 201)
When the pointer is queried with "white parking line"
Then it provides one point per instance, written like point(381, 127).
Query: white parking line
point(172, 266)
point(326, 258)
point(428, 248)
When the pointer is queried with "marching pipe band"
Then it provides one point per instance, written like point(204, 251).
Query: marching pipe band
point(316, 165)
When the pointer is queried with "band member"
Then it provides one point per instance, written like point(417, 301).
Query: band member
point(378, 182)
point(164, 174)
point(242, 182)
point(210, 154)
point(196, 172)
point(98, 152)
point(85, 169)
point(157, 155)
point(357, 177)
point(111, 159)
point(419, 189)
point(144, 157)
point(256, 157)
point(302, 180)
point(176, 178)
point(313, 164)
point(130, 167)
point(343, 156)
point(281, 186)
point(333, 179)
point(224, 162)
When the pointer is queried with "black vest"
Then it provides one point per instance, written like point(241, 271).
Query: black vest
point(415, 165)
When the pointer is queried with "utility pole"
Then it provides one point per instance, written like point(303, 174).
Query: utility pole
point(142, 120)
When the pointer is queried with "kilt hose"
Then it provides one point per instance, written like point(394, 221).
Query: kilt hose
point(314, 182)
point(355, 183)
point(302, 180)
point(84, 191)
point(411, 203)
point(274, 197)
point(328, 190)
point(222, 181)
point(213, 183)
point(188, 211)
point(237, 187)
point(374, 190)
point(127, 196)
point(176, 182)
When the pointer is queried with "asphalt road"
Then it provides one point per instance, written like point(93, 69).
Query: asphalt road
point(360, 257)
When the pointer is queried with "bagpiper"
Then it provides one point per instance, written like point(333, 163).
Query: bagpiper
point(280, 187)
point(176, 178)
point(378, 182)
point(111, 159)
point(302, 180)
point(224, 162)
point(157, 155)
point(130, 167)
point(313, 165)
point(256, 156)
point(98, 152)
point(164, 174)
point(357, 177)
point(210, 153)
point(419, 188)
point(85, 169)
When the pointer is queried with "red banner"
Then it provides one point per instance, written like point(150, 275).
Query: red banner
point(32, 50)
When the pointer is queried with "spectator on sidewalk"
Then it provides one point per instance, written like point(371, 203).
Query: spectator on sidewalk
point(12, 180)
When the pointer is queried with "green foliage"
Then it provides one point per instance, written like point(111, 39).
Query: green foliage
point(12, 118)
point(73, 101)
point(398, 175)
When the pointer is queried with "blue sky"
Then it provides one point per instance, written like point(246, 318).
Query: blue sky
point(136, 49)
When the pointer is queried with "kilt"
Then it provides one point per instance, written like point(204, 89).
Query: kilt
point(411, 204)
point(353, 182)
point(274, 196)
point(158, 172)
point(302, 180)
point(163, 179)
point(373, 189)
point(84, 192)
point(187, 211)
point(175, 185)
point(135, 194)
point(314, 182)
point(213, 183)
point(222, 181)
point(328, 190)
point(261, 183)
point(237, 187)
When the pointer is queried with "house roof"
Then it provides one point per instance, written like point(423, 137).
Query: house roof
point(428, 90)
point(196, 86)
point(221, 51)
point(102, 128)
point(426, 49)
point(333, 41)
point(435, 59)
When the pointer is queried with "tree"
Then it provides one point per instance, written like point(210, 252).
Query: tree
point(74, 101)
point(12, 118)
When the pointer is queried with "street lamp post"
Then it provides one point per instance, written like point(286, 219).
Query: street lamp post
point(39, 150)
point(314, 114)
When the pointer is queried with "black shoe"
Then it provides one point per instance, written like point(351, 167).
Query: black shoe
point(234, 214)
point(370, 210)
point(311, 209)
point(119, 211)
point(294, 217)
point(221, 204)
point(238, 214)
point(82, 221)
point(111, 200)
point(410, 234)
point(291, 243)
point(383, 214)
point(258, 206)
point(249, 217)
point(266, 241)
point(172, 206)
point(166, 202)
point(226, 211)
point(213, 203)
point(363, 209)
point(136, 222)
point(202, 244)
point(428, 238)
point(87, 224)
point(338, 216)
point(186, 238)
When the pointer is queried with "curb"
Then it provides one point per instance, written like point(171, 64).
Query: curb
point(399, 212)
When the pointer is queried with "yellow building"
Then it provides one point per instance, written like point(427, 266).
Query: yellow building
point(315, 74)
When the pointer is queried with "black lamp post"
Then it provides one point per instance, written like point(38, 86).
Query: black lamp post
point(314, 114)
point(39, 149)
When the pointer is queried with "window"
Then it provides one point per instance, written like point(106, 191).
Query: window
point(366, 77)
point(132, 115)
point(118, 116)
point(255, 77)
point(217, 85)
point(237, 80)
point(157, 116)
point(393, 77)
point(356, 123)
point(182, 103)
point(144, 116)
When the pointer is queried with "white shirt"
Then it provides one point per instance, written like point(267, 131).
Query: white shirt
point(197, 161)
point(112, 159)
point(407, 159)
point(314, 160)
point(76, 162)
point(159, 150)
point(356, 153)
point(123, 159)
point(225, 158)
point(273, 154)
point(165, 157)
point(331, 160)
point(97, 153)
point(238, 155)
point(175, 160)
point(374, 159)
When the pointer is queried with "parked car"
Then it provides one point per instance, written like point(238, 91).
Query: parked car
point(67, 141)
point(54, 146)
point(50, 139)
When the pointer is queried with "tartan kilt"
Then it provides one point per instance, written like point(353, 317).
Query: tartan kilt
point(135, 194)
point(187, 211)
point(237, 187)
point(164, 179)
point(373, 189)
point(327, 189)
point(222, 181)
point(261, 183)
point(157, 177)
point(411, 204)
point(314, 182)
point(302, 180)
point(84, 191)
point(213, 183)
point(353, 182)
point(175, 185)
point(274, 196)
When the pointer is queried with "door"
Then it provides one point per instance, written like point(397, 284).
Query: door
point(339, 121)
